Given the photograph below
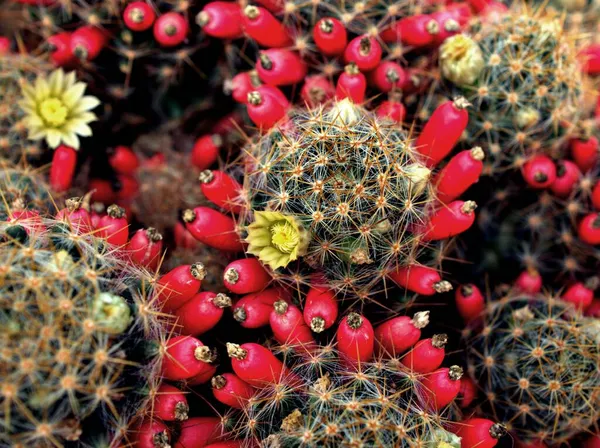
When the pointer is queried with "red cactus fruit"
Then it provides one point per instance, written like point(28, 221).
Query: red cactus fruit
point(288, 326)
point(391, 109)
point(255, 364)
point(231, 390)
point(62, 169)
point(450, 220)
point(585, 153)
point(59, 45)
point(364, 51)
point(320, 309)
point(420, 279)
point(185, 357)
point(469, 302)
point(567, 176)
point(468, 392)
point(139, 16)
point(87, 42)
point(179, 285)
point(152, 434)
point(539, 171)
point(317, 89)
point(479, 433)
point(206, 151)
point(170, 404)
point(254, 310)
point(170, 29)
point(589, 229)
point(581, 294)
point(356, 338)
point(427, 355)
point(462, 171)
point(395, 336)
point(264, 28)
point(221, 19)
point(113, 227)
point(145, 248)
point(441, 387)
point(245, 276)
point(351, 84)
point(201, 313)
point(280, 67)
point(123, 160)
point(330, 36)
point(221, 189)
point(529, 281)
point(213, 228)
point(387, 76)
point(199, 432)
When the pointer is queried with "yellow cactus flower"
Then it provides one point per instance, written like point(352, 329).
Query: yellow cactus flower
point(57, 110)
point(276, 239)
point(461, 60)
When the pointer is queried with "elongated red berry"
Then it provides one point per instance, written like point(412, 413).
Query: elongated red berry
point(447, 19)
point(450, 220)
point(139, 16)
point(59, 46)
point(179, 285)
point(275, 6)
point(468, 392)
point(265, 109)
point(123, 160)
point(231, 390)
point(441, 387)
point(351, 84)
point(585, 153)
point(592, 441)
point(264, 28)
point(317, 89)
point(76, 215)
point(152, 434)
point(221, 19)
point(529, 281)
point(391, 109)
point(242, 84)
point(479, 5)
point(206, 151)
point(245, 276)
point(567, 176)
point(255, 364)
point(221, 189)
point(594, 309)
point(288, 326)
point(395, 336)
point(87, 42)
point(581, 294)
point(213, 228)
point(201, 313)
point(183, 238)
point(590, 58)
point(596, 196)
point(427, 355)
point(420, 279)
point(185, 357)
point(280, 67)
point(416, 31)
point(28, 220)
point(113, 227)
point(170, 404)
point(387, 76)
point(320, 309)
point(127, 188)
point(4, 45)
point(62, 169)
point(330, 36)
point(254, 310)
point(589, 229)
point(539, 171)
point(145, 248)
point(170, 29)
point(102, 191)
point(228, 444)
point(479, 433)
point(462, 171)
point(199, 432)
point(356, 338)
point(443, 130)
point(364, 51)
point(469, 302)
point(203, 377)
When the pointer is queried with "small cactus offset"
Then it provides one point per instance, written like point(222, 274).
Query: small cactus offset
point(339, 189)
point(536, 360)
point(75, 323)
point(522, 76)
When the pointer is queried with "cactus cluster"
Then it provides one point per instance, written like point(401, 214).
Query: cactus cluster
point(321, 400)
point(353, 186)
point(522, 77)
point(75, 322)
point(537, 362)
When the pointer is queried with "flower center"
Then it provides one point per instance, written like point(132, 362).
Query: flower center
point(459, 49)
point(284, 237)
point(54, 112)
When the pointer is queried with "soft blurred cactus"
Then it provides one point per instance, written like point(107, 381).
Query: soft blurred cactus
point(74, 323)
point(537, 361)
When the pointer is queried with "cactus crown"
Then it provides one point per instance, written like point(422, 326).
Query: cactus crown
point(537, 362)
point(321, 401)
point(352, 181)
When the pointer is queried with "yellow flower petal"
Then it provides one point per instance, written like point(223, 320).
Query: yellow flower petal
point(42, 90)
point(53, 138)
point(86, 103)
point(69, 81)
point(71, 97)
point(71, 140)
point(56, 81)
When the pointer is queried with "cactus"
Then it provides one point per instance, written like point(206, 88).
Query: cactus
point(22, 187)
point(75, 320)
point(350, 184)
point(14, 70)
point(536, 360)
point(322, 401)
point(522, 77)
